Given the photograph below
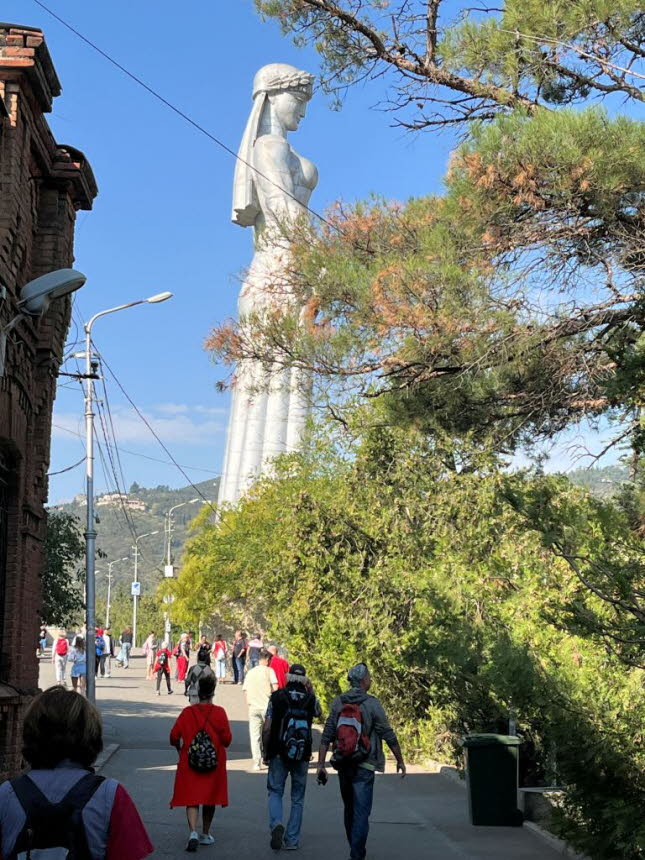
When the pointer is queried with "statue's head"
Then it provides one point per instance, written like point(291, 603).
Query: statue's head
point(288, 90)
point(285, 91)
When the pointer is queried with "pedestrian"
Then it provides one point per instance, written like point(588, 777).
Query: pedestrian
point(108, 653)
point(202, 669)
point(99, 644)
point(162, 667)
point(61, 804)
point(357, 726)
point(219, 652)
point(201, 735)
point(183, 656)
point(149, 651)
point(78, 659)
point(42, 640)
point(240, 645)
point(287, 742)
point(60, 647)
point(126, 647)
point(255, 646)
point(259, 683)
point(279, 665)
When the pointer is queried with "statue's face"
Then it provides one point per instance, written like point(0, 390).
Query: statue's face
point(289, 108)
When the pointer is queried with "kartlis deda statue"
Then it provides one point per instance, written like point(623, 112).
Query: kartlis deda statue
point(272, 187)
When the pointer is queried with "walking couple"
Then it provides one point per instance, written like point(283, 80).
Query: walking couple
point(355, 729)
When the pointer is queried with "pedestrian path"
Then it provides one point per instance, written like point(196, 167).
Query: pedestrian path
point(423, 817)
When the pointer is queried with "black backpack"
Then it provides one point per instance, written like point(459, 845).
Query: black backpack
point(202, 755)
point(294, 741)
point(54, 825)
point(162, 660)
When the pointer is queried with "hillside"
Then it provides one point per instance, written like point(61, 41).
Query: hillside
point(115, 538)
point(602, 481)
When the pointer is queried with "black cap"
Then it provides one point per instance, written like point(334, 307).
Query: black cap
point(298, 669)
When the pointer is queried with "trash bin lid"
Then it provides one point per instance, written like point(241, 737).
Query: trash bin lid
point(485, 740)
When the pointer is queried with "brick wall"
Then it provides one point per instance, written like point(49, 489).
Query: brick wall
point(42, 185)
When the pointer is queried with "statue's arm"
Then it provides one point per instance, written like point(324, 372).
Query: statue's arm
point(274, 181)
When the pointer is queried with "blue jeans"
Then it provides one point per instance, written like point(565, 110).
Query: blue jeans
point(279, 770)
point(125, 647)
point(357, 790)
point(240, 670)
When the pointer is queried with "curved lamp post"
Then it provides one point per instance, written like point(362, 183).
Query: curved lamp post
point(90, 375)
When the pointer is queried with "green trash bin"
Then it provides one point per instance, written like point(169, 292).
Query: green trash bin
point(492, 779)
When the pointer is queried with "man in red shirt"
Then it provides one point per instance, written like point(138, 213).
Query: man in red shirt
point(279, 666)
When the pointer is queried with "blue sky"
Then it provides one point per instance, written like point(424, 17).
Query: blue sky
point(162, 217)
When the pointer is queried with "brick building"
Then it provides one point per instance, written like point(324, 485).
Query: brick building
point(42, 185)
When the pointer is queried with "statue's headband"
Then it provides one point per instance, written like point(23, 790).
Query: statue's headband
point(278, 77)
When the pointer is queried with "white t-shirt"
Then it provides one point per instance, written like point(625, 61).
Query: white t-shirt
point(258, 686)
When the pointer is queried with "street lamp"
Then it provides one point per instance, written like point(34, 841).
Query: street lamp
point(168, 529)
point(136, 580)
point(90, 533)
point(35, 297)
point(109, 588)
point(169, 570)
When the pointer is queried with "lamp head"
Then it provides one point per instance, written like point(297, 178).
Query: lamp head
point(159, 297)
point(36, 295)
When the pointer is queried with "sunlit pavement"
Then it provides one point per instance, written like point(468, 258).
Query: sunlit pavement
point(423, 817)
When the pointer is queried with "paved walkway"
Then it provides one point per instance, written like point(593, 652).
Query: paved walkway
point(423, 817)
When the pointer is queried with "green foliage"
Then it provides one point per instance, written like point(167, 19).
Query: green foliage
point(64, 575)
point(465, 313)
point(445, 580)
point(452, 62)
point(149, 614)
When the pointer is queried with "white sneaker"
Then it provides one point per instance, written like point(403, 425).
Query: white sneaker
point(206, 839)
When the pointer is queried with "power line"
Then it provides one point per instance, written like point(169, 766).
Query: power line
point(68, 469)
point(138, 454)
point(181, 113)
point(153, 431)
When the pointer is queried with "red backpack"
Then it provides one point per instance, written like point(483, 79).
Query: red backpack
point(61, 647)
point(352, 744)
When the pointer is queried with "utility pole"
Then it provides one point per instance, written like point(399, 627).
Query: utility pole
point(90, 527)
point(169, 570)
point(91, 367)
point(135, 583)
point(109, 589)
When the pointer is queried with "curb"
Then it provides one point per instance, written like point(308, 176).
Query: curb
point(553, 841)
point(105, 756)
point(559, 845)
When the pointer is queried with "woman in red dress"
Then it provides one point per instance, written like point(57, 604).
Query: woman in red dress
point(192, 788)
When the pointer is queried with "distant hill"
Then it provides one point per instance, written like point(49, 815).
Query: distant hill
point(147, 509)
point(602, 481)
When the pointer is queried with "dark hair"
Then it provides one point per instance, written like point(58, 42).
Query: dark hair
point(79, 644)
point(61, 724)
point(264, 654)
point(206, 687)
point(203, 655)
